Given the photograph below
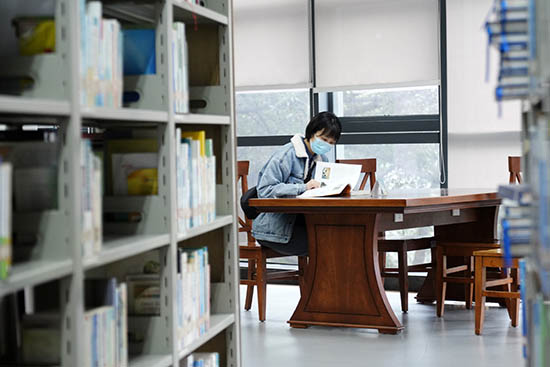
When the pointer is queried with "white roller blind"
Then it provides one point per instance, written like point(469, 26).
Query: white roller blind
point(271, 42)
point(371, 42)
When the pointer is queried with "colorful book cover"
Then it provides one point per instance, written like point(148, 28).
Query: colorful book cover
point(139, 51)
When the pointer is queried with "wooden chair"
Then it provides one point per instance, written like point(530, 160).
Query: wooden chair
point(399, 246)
point(368, 168)
point(467, 251)
point(514, 167)
point(494, 259)
point(257, 256)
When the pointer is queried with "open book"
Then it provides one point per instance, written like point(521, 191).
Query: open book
point(335, 178)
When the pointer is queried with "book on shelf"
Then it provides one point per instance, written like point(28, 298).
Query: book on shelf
point(124, 169)
point(180, 76)
point(139, 51)
point(201, 360)
point(193, 294)
point(106, 325)
point(135, 174)
point(195, 179)
point(102, 52)
point(5, 219)
point(92, 208)
point(143, 294)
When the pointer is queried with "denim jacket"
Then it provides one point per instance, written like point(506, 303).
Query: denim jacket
point(282, 176)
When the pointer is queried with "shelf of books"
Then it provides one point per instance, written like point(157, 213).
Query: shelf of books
point(521, 33)
point(117, 184)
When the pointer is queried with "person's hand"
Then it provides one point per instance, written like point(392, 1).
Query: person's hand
point(312, 184)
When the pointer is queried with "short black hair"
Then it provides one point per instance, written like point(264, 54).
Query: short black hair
point(326, 122)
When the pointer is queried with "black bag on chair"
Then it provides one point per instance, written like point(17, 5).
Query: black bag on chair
point(249, 211)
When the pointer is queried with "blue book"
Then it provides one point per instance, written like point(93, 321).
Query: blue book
point(139, 52)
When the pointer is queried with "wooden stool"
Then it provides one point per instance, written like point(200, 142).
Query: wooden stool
point(454, 249)
point(493, 259)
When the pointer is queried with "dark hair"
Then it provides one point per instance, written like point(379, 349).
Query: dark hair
point(326, 122)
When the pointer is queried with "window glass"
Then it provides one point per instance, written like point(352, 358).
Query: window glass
point(401, 166)
point(272, 113)
point(390, 102)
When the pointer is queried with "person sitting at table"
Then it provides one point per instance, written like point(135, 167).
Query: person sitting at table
point(289, 172)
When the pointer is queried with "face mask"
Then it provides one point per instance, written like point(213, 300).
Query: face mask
point(319, 146)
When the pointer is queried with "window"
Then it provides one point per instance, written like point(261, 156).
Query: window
point(266, 120)
point(391, 102)
point(400, 128)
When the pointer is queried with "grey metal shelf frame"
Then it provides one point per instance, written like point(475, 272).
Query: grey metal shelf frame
point(57, 96)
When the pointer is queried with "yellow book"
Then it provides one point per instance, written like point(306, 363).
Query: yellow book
point(113, 147)
point(196, 135)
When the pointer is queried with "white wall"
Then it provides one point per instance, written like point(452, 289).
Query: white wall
point(479, 139)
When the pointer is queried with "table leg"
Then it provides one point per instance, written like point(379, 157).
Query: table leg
point(342, 280)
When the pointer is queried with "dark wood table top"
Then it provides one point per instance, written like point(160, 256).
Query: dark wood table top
point(397, 200)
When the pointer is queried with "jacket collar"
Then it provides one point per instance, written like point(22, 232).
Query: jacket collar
point(300, 149)
point(299, 146)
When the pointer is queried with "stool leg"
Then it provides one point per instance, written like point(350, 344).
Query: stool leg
point(250, 288)
point(440, 285)
point(505, 273)
point(403, 277)
point(515, 301)
point(480, 279)
point(261, 283)
point(469, 287)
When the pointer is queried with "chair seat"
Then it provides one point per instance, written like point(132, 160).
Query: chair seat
point(497, 252)
point(480, 245)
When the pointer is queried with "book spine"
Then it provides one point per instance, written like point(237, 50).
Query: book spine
point(93, 11)
point(5, 219)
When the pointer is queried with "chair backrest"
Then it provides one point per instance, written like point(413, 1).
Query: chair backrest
point(245, 225)
point(368, 167)
point(514, 167)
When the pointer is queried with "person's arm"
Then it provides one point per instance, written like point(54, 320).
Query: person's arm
point(273, 184)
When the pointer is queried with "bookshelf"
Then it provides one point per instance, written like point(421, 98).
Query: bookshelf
point(529, 58)
point(55, 264)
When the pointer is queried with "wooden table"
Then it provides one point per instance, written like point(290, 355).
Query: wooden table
point(343, 286)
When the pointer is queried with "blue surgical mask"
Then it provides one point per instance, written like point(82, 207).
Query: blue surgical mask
point(319, 146)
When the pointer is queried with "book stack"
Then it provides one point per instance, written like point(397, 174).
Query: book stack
point(201, 360)
point(193, 294)
point(509, 33)
point(105, 328)
point(91, 200)
point(5, 219)
point(102, 55)
point(517, 223)
point(180, 77)
point(196, 179)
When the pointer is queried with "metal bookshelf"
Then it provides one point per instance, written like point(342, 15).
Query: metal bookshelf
point(57, 96)
point(536, 167)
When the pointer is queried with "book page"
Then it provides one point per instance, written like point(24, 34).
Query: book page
point(331, 174)
point(327, 190)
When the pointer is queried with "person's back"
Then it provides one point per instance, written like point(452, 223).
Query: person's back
point(288, 173)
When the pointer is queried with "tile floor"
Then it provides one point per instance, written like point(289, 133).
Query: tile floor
point(426, 340)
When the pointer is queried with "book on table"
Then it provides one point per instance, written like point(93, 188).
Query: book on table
point(335, 179)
